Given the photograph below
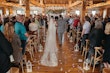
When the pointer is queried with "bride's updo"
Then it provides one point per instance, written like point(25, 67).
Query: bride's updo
point(52, 17)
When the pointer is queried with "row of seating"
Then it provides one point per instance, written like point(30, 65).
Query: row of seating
point(97, 57)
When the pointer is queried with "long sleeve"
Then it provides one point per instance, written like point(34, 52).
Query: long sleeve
point(5, 45)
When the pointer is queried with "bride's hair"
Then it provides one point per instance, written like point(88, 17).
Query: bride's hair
point(52, 17)
point(56, 17)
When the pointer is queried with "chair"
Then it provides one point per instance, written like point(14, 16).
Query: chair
point(14, 70)
point(106, 70)
point(85, 49)
point(34, 42)
point(76, 47)
point(97, 57)
point(21, 63)
point(73, 35)
point(29, 49)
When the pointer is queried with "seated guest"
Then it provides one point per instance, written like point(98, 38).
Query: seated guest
point(15, 41)
point(5, 21)
point(5, 51)
point(76, 22)
point(85, 30)
point(33, 26)
point(20, 30)
point(95, 37)
point(26, 23)
point(106, 56)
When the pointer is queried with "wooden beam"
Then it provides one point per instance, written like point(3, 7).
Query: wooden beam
point(75, 3)
point(11, 4)
point(41, 2)
point(62, 5)
point(83, 11)
point(4, 10)
point(69, 2)
point(34, 2)
point(27, 8)
point(10, 10)
point(98, 5)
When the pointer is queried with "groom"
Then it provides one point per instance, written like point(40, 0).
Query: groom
point(61, 28)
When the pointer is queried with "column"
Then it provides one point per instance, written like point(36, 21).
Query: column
point(4, 10)
point(108, 11)
point(10, 10)
point(68, 9)
point(27, 8)
point(101, 12)
point(83, 11)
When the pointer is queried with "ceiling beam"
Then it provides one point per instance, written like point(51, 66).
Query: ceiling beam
point(75, 3)
point(62, 5)
point(34, 2)
point(98, 5)
point(4, 3)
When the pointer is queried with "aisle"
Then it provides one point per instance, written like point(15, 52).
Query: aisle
point(68, 62)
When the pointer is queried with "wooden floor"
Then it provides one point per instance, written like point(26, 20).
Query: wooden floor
point(68, 61)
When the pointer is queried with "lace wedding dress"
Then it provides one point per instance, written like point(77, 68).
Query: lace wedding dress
point(49, 57)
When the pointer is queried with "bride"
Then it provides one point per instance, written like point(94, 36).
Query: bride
point(49, 57)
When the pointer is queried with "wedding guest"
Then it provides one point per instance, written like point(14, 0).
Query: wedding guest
point(106, 55)
point(20, 30)
point(15, 42)
point(26, 23)
point(85, 30)
point(33, 26)
point(96, 36)
point(5, 51)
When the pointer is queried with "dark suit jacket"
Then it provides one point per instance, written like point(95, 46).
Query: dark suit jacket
point(96, 37)
point(5, 52)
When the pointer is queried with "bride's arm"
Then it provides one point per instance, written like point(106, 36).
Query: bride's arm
point(56, 24)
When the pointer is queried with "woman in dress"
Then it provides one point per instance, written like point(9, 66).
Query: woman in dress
point(49, 57)
point(15, 42)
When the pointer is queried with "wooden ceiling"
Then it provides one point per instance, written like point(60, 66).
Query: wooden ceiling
point(14, 1)
point(56, 1)
point(46, 3)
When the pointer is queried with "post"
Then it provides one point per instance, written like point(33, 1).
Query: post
point(4, 10)
point(101, 11)
point(27, 8)
point(10, 10)
point(83, 11)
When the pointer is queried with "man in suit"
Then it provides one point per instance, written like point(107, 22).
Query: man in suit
point(61, 28)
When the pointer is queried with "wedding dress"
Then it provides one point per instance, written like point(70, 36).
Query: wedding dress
point(49, 57)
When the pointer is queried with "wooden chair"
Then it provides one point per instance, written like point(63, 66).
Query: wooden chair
point(21, 63)
point(106, 70)
point(14, 70)
point(34, 42)
point(29, 49)
point(85, 49)
point(97, 57)
point(73, 35)
point(76, 47)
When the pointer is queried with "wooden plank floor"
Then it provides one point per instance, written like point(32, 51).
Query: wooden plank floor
point(68, 62)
